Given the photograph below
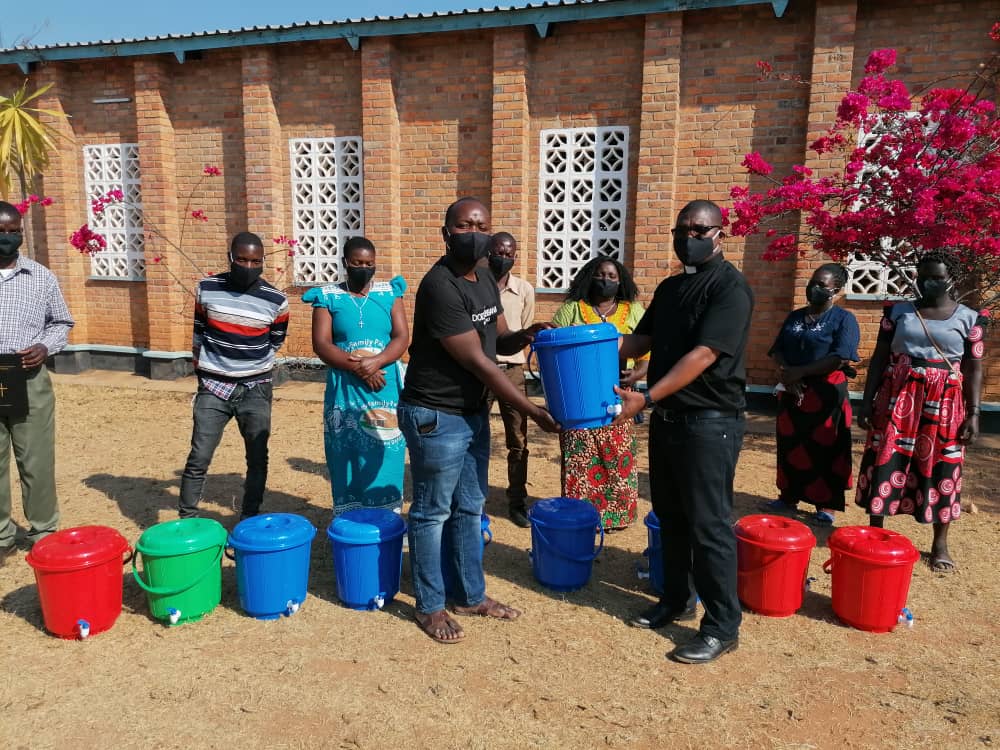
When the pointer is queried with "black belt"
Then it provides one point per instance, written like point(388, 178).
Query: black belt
point(693, 415)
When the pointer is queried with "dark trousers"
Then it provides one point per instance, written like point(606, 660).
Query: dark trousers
point(515, 427)
point(252, 409)
point(692, 465)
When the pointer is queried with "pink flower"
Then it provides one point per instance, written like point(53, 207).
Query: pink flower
point(46, 201)
point(87, 241)
point(827, 143)
point(995, 32)
point(97, 206)
point(896, 97)
point(212, 171)
point(291, 253)
point(22, 207)
point(852, 107)
point(114, 196)
point(157, 258)
point(199, 215)
point(33, 199)
point(879, 60)
point(765, 69)
point(755, 164)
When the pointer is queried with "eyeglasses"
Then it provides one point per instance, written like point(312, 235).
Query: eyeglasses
point(697, 230)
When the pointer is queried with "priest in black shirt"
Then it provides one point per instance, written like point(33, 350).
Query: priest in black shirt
point(458, 329)
point(696, 330)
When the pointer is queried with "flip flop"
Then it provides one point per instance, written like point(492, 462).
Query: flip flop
point(778, 506)
point(434, 626)
point(822, 518)
point(488, 608)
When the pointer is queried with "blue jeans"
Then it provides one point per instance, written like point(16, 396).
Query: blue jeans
point(252, 409)
point(449, 462)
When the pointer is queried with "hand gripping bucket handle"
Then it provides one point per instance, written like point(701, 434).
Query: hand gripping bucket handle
point(571, 558)
point(173, 592)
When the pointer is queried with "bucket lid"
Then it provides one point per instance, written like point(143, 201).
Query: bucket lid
point(80, 547)
point(651, 520)
point(181, 537)
point(272, 532)
point(575, 335)
point(564, 512)
point(366, 526)
point(877, 545)
point(776, 531)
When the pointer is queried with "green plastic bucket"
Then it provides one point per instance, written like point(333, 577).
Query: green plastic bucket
point(181, 568)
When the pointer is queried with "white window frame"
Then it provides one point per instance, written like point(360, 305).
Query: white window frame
point(328, 204)
point(582, 200)
point(869, 279)
point(107, 167)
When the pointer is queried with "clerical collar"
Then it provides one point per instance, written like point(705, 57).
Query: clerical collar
point(708, 265)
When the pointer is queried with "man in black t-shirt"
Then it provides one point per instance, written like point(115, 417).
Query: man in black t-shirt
point(696, 330)
point(458, 329)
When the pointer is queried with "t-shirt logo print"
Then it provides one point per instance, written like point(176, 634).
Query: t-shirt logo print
point(484, 316)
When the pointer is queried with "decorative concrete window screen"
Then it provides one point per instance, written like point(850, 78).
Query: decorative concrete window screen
point(115, 166)
point(868, 277)
point(327, 204)
point(583, 188)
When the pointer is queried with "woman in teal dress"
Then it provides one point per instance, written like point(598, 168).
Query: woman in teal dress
point(359, 330)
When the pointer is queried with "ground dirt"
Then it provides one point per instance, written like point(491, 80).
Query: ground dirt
point(569, 673)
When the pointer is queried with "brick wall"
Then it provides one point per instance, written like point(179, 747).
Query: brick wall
point(447, 114)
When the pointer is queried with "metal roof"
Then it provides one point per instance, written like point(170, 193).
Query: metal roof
point(539, 15)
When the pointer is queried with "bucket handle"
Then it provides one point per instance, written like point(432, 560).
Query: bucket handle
point(173, 592)
point(487, 535)
point(828, 566)
point(571, 558)
point(129, 554)
point(531, 372)
point(230, 553)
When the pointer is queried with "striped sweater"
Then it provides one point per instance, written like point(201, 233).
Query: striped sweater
point(237, 333)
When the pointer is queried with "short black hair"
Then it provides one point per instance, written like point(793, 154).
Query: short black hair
point(836, 270)
point(702, 205)
point(9, 211)
point(449, 214)
point(501, 237)
point(579, 288)
point(246, 239)
point(357, 243)
point(951, 262)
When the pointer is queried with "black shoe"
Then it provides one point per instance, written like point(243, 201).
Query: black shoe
point(518, 514)
point(661, 614)
point(702, 649)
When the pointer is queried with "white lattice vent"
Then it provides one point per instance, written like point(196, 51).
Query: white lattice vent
point(327, 204)
point(583, 188)
point(107, 167)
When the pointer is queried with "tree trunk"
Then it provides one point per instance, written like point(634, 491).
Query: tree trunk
point(29, 231)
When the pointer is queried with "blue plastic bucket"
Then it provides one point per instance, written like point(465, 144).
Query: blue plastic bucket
point(272, 563)
point(367, 556)
point(654, 552)
point(446, 571)
point(579, 371)
point(562, 542)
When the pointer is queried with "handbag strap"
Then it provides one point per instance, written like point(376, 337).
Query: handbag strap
point(934, 343)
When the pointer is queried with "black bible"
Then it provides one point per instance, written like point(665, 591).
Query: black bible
point(13, 387)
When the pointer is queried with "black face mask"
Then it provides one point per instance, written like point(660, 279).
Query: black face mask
point(242, 277)
point(500, 266)
point(604, 288)
point(818, 295)
point(9, 244)
point(467, 248)
point(359, 276)
point(693, 251)
point(931, 289)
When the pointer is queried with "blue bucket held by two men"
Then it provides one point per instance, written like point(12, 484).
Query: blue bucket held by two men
point(578, 366)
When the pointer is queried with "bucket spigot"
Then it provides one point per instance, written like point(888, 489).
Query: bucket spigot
point(379, 601)
point(291, 607)
point(84, 627)
point(905, 615)
point(174, 615)
point(614, 409)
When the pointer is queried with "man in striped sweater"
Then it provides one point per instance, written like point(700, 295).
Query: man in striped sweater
point(240, 321)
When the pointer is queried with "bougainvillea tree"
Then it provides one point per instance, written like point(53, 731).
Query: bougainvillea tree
point(920, 171)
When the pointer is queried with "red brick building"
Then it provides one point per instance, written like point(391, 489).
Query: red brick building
point(585, 126)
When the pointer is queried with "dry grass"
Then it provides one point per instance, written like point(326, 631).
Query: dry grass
point(570, 673)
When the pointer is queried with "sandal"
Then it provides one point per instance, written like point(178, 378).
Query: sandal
point(823, 518)
point(438, 626)
point(488, 608)
point(778, 506)
point(942, 565)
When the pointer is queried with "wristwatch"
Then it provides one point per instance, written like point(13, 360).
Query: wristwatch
point(648, 401)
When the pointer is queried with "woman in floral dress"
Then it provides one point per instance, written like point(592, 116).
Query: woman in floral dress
point(598, 464)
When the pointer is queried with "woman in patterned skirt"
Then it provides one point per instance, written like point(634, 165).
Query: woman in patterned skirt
point(921, 405)
point(598, 464)
point(359, 330)
point(814, 349)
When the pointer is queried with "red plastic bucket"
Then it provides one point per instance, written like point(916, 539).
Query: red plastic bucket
point(871, 576)
point(772, 561)
point(79, 577)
